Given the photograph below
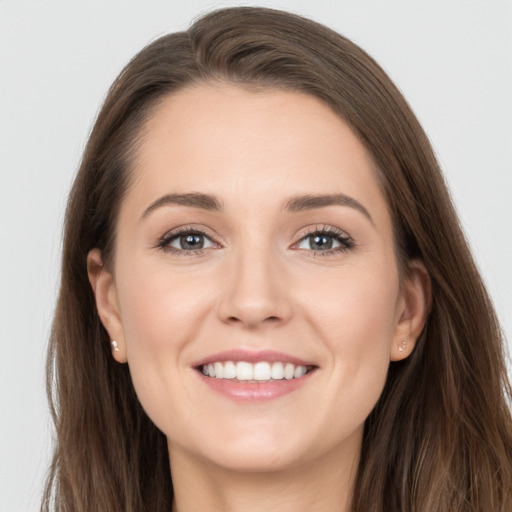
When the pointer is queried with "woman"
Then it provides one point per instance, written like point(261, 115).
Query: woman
point(266, 297)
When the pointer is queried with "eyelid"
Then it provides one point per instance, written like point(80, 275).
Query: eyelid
point(346, 241)
point(163, 241)
point(324, 229)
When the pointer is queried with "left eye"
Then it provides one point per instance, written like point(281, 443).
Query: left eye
point(319, 242)
point(190, 241)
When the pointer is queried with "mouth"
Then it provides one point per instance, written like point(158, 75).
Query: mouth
point(248, 376)
point(261, 371)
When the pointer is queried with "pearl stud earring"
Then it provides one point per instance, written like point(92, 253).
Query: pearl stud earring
point(403, 346)
point(115, 348)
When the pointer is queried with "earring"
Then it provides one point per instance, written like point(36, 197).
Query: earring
point(403, 346)
point(115, 348)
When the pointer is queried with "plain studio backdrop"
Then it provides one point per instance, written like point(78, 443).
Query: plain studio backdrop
point(452, 59)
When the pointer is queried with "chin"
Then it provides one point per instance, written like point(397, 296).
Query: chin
point(262, 460)
point(270, 448)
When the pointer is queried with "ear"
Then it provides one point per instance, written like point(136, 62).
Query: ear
point(413, 308)
point(103, 286)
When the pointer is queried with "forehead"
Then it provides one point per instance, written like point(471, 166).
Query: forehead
point(241, 144)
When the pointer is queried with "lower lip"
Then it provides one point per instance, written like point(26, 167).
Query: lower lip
point(254, 391)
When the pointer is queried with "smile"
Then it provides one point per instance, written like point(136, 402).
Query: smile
point(254, 376)
point(261, 371)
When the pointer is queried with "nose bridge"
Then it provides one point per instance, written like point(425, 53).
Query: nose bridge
point(255, 290)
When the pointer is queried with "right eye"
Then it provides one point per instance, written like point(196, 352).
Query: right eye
point(190, 241)
point(187, 241)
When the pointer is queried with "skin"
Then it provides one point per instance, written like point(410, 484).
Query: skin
point(257, 284)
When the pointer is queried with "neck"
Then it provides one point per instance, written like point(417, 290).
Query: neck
point(325, 484)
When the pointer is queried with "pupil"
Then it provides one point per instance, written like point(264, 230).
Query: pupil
point(191, 241)
point(321, 242)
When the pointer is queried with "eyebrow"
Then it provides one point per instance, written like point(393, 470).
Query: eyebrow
point(191, 199)
point(295, 204)
point(310, 202)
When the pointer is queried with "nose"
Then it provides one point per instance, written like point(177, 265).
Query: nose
point(255, 292)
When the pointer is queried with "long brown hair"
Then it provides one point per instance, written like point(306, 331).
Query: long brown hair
point(440, 437)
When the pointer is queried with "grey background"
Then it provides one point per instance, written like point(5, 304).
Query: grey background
point(452, 59)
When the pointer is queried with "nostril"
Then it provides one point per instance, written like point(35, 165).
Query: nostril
point(254, 322)
point(251, 309)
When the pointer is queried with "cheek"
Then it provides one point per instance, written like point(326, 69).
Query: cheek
point(356, 319)
point(357, 309)
point(164, 311)
point(160, 308)
point(161, 313)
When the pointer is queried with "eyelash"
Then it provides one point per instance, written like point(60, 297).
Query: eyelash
point(346, 242)
point(164, 242)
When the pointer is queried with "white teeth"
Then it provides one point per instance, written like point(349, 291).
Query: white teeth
point(244, 371)
point(261, 371)
point(299, 371)
point(229, 370)
point(219, 370)
point(277, 371)
point(289, 370)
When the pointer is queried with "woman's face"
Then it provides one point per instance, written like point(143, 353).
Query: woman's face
point(255, 242)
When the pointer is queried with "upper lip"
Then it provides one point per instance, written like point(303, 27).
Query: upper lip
point(250, 356)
